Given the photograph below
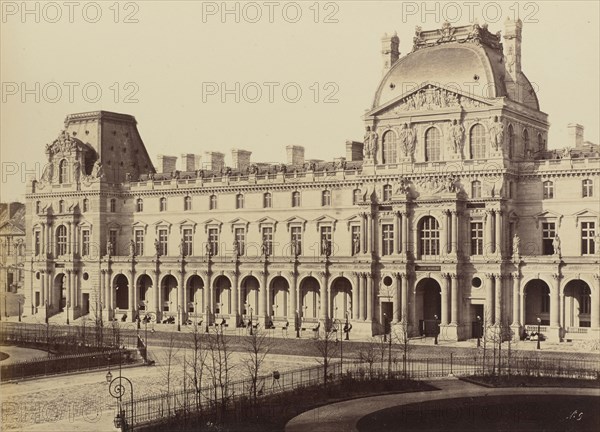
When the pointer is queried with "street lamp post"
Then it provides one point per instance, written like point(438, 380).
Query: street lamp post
point(46, 306)
point(178, 317)
point(297, 325)
point(478, 331)
point(385, 327)
point(435, 330)
point(347, 327)
point(116, 388)
point(68, 304)
point(539, 321)
point(207, 317)
point(251, 322)
point(19, 302)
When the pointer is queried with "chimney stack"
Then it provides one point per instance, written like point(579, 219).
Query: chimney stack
point(240, 158)
point(213, 161)
point(189, 162)
point(389, 51)
point(295, 155)
point(167, 164)
point(575, 135)
point(354, 150)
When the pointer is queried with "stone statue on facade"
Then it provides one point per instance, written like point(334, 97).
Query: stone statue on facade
point(566, 153)
point(516, 243)
point(457, 133)
point(370, 143)
point(497, 133)
point(131, 248)
point(156, 247)
point(48, 173)
point(236, 248)
point(407, 138)
point(556, 246)
point(109, 248)
point(356, 245)
point(97, 170)
point(76, 171)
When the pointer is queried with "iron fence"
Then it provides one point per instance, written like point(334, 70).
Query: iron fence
point(113, 335)
point(239, 393)
point(65, 364)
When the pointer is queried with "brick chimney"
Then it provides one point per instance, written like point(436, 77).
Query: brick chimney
point(167, 164)
point(240, 158)
point(213, 161)
point(575, 132)
point(295, 155)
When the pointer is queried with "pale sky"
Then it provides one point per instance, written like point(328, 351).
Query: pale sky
point(165, 59)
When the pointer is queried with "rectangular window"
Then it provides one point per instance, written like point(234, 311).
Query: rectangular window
point(213, 241)
point(240, 238)
point(112, 238)
point(163, 242)
point(387, 240)
point(139, 242)
point(296, 238)
point(85, 242)
point(548, 190)
point(187, 242)
point(585, 303)
point(355, 240)
point(587, 238)
point(548, 234)
point(113, 205)
point(326, 240)
point(38, 243)
point(476, 238)
point(267, 238)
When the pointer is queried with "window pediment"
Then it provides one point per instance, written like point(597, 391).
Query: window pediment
point(187, 223)
point(546, 215)
point(212, 223)
point(325, 220)
point(266, 221)
point(162, 224)
point(585, 214)
point(296, 221)
point(239, 222)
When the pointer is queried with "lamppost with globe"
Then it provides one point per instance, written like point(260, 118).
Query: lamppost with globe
point(116, 388)
point(436, 329)
point(478, 331)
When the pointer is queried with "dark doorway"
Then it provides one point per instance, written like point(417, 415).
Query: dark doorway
point(86, 304)
point(477, 318)
point(387, 310)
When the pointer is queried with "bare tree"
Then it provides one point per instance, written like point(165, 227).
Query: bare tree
point(368, 355)
point(327, 349)
point(197, 363)
point(401, 333)
point(257, 347)
point(166, 367)
point(220, 369)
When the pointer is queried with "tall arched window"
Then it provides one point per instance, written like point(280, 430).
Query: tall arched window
point(389, 147)
point(540, 143)
point(432, 144)
point(139, 205)
point(86, 205)
point(429, 236)
point(476, 189)
point(212, 202)
point(187, 203)
point(296, 199)
point(63, 171)
point(61, 240)
point(511, 141)
point(526, 147)
point(356, 196)
point(61, 206)
point(267, 200)
point(163, 204)
point(239, 201)
point(477, 141)
point(547, 190)
point(326, 198)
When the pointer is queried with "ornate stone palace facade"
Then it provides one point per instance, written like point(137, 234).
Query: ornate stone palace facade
point(452, 208)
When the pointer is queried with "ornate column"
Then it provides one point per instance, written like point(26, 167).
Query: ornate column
point(208, 303)
point(324, 297)
point(43, 296)
point(489, 232)
point(595, 312)
point(498, 226)
point(69, 287)
point(181, 300)
point(369, 316)
point(498, 299)
point(369, 233)
point(455, 295)
point(555, 301)
point(295, 301)
point(50, 243)
point(44, 245)
point(404, 232)
point(363, 231)
point(397, 316)
point(396, 233)
point(69, 237)
point(404, 295)
point(156, 292)
point(109, 294)
point(356, 296)
point(131, 295)
point(516, 298)
point(454, 243)
point(262, 306)
point(444, 234)
point(234, 296)
point(363, 296)
point(489, 300)
point(444, 300)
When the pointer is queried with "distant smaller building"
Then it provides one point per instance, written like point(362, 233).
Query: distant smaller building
point(12, 246)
